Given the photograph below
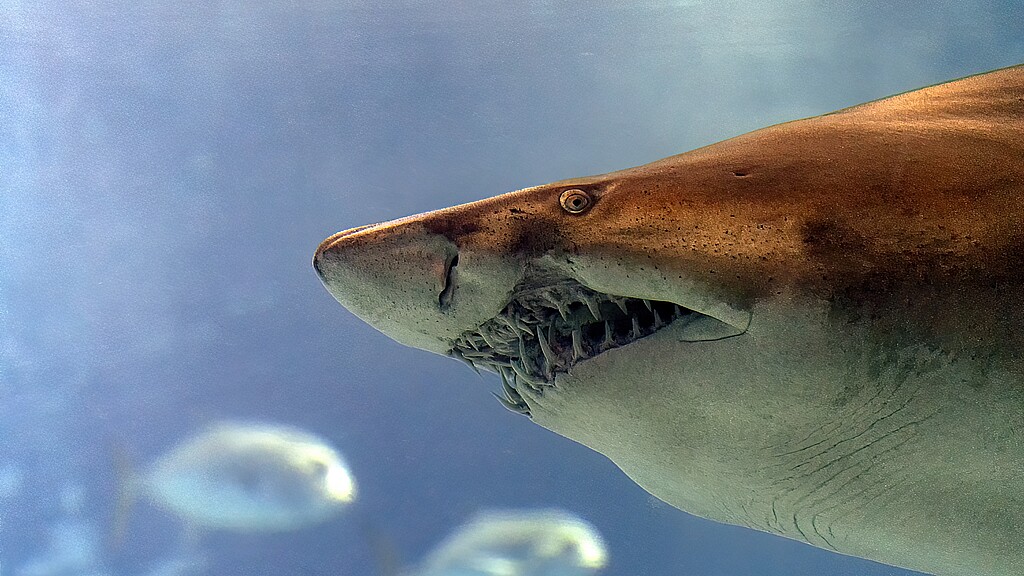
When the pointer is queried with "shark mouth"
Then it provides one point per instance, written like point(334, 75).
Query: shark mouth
point(545, 331)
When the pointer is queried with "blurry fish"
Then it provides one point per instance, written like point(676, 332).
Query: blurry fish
point(519, 543)
point(245, 477)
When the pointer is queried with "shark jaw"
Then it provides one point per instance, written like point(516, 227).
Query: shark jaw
point(548, 328)
point(510, 285)
point(543, 322)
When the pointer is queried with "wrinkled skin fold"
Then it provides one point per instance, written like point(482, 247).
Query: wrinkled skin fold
point(814, 329)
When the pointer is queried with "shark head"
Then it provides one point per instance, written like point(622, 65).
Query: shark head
point(532, 283)
point(809, 330)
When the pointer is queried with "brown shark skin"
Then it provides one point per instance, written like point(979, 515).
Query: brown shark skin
point(872, 260)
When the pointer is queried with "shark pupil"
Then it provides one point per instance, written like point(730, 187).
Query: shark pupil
point(575, 201)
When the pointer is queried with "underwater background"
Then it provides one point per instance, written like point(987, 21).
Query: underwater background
point(168, 168)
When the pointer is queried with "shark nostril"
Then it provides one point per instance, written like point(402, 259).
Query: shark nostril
point(444, 299)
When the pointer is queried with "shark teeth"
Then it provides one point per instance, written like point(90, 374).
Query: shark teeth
point(577, 345)
point(546, 330)
point(511, 400)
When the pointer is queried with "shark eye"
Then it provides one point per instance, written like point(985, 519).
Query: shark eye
point(575, 201)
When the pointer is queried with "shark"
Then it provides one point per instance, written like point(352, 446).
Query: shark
point(815, 329)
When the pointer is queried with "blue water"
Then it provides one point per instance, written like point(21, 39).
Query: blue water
point(167, 169)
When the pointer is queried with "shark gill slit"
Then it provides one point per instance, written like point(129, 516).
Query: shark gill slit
point(545, 331)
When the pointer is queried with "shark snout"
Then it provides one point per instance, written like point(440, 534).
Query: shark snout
point(411, 262)
point(329, 243)
point(399, 277)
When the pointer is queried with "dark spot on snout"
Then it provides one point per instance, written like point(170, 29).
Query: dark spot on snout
point(539, 237)
point(740, 174)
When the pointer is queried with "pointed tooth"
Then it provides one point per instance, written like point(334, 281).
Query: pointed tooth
point(595, 310)
point(676, 310)
point(621, 304)
point(526, 377)
point(521, 409)
point(608, 342)
point(658, 322)
point(556, 303)
point(648, 304)
point(487, 339)
point(487, 365)
point(549, 355)
point(514, 399)
point(522, 349)
point(458, 356)
point(577, 345)
point(505, 333)
point(636, 328)
point(510, 324)
point(523, 327)
point(521, 371)
point(504, 401)
point(562, 311)
point(508, 377)
point(507, 387)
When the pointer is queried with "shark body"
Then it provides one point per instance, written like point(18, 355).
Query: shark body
point(815, 329)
